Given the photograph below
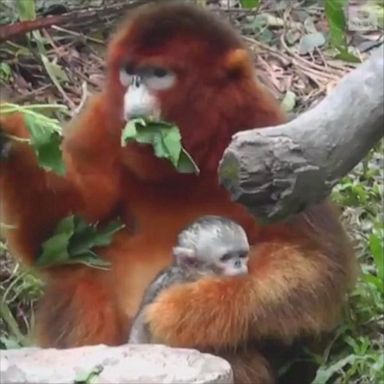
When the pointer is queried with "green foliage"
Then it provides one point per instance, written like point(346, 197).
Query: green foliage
point(334, 11)
point(88, 378)
point(165, 139)
point(250, 3)
point(356, 354)
point(18, 291)
point(5, 73)
point(45, 135)
point(46, 144)
point(26, 9)
point(73, 240)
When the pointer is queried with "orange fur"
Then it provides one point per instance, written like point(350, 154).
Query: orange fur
point(300, 269)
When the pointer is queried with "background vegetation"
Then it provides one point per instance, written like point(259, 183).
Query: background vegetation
point(302, 48)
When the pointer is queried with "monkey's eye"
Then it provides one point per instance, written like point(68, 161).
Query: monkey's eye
point(127, 72)
point(243, 254)
point(226, 257)
point(157, 78)
point(160, 72)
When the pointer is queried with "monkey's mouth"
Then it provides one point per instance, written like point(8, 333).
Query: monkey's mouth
point(139, 102)
point(165, 140)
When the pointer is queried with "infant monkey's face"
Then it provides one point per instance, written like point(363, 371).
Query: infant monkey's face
point(232, 263)
point(213, 245)
point(226, 254)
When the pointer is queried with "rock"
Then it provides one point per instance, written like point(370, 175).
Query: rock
point(124, 364)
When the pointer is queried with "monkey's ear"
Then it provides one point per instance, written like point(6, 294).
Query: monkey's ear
point(238, 63)
point(184, 256)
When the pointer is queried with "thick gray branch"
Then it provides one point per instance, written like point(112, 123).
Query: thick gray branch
point(278, 171)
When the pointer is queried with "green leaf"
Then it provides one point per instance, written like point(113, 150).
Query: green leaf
point(249, 3)
point(165, 139)
point(334, 11)
point(45, 134)
point(55, 71)
point(26, 9)
point(87, 378)
point(91, 260)
point(46, 144)
point(130, 131)
point(376, 247)
point(5, 72)
point(73, 240)
point(171, 139)
point(55, 249)
point(373, 280)
point(324, 374)
point(345, 55)
point(186, 163)
point(88, 236)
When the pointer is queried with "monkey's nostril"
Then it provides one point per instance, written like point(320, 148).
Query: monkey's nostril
point(136, 81)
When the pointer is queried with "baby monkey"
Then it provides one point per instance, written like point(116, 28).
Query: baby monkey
point(210, 246)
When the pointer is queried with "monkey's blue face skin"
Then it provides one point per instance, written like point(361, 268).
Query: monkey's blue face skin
point(214, 244)
point(232, 263)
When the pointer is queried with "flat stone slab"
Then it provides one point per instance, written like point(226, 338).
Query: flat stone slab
point(128, 364)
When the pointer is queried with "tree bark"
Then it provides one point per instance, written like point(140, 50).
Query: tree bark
point(278, 171)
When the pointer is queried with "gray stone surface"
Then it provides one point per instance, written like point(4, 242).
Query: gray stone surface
point(125, 364)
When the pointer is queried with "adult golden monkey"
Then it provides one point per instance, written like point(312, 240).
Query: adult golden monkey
point(177, 62)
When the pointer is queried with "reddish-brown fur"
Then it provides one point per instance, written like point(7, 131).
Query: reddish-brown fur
point(299, 271)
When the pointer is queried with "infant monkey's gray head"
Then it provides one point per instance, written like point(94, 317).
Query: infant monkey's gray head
point(213, 245)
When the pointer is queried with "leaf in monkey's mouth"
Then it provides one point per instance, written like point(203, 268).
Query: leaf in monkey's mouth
point(165, 139)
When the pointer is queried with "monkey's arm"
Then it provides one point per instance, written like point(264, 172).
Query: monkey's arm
point(293, 288)
point(139, 333)
point(33, 200)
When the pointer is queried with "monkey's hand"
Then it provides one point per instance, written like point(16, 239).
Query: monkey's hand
point(209, 313)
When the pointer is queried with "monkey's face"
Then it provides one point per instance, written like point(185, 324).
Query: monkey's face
point(169, 78)
point(232, 263)
point(177, 63)
point(223, 250)
point(144, 83)
point(213, 245)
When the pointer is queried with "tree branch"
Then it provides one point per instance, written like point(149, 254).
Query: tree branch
point(79, 18)
point(278, 171)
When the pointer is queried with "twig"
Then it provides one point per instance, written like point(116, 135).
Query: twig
point(84, 96)
point(305, 62)
point(78, 34)
point(78, 17)
point(51, 74)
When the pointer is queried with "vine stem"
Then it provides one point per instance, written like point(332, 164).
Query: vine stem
point(15, 138)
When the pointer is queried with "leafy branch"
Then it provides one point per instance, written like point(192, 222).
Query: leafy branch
point(45, 134)
point(73, 241)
